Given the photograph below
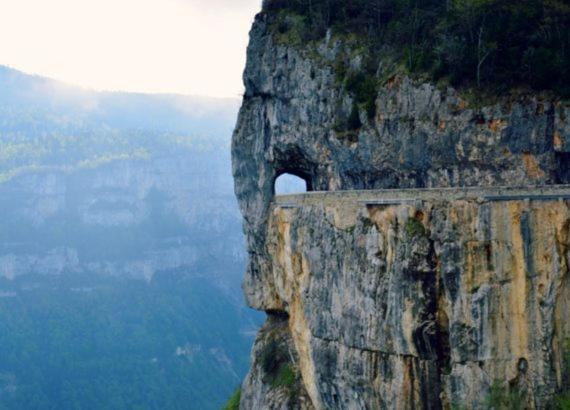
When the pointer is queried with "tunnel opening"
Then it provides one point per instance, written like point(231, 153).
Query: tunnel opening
point(289, 182)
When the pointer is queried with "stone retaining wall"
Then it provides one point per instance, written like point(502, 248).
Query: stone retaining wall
point(396, 196)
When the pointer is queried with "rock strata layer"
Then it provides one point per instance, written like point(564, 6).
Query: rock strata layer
point(432, 303)
point(424, 305)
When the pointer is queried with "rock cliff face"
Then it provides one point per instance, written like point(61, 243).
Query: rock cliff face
point(127, 218)
point(425, 304)
point(433, 303)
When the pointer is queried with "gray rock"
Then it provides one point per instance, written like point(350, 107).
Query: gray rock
point(422, 305)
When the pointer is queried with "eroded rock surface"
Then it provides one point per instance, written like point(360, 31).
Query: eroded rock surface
point(420, 136)
point(428, 304)
point(402, 305)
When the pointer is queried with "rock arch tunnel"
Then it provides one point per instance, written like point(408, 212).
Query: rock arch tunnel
point(292, 182)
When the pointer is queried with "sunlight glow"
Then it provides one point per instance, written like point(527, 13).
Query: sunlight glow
point(176, 46)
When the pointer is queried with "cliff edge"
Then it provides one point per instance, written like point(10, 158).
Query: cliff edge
point(382, 299)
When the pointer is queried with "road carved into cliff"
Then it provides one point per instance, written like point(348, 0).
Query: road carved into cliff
point(403, 196)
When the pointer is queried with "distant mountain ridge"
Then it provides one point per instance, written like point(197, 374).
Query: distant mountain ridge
point(122, 110)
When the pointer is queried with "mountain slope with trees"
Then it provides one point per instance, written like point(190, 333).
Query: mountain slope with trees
point(120, 250)
point(493, 44)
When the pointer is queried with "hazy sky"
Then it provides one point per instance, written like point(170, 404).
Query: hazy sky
point(178, 46)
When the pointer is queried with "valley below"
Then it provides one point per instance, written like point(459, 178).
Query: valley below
point(121, 250)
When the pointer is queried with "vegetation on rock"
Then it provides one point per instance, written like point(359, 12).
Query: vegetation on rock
point(233, 402)
point(562, 400)
point(286, 377)
point(485, 44)
point(503, 398)
point(415, 228)
point(278, 368)
point(273, 358)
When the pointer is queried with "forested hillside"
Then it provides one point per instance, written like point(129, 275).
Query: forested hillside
point(493, 44)
point(121, 250)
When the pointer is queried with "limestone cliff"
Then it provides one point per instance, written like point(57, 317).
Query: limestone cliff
point(399, 299)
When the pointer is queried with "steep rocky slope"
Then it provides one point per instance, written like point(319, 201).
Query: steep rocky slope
point(433, 304)
point(129, 218)
point(426, 303)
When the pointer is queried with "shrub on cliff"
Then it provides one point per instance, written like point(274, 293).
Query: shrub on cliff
point(415, 228)
point(502, 397)
point(562, 400)
point(273, 356)
point(277, 366)
point(233, 402)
